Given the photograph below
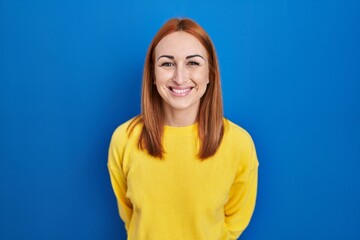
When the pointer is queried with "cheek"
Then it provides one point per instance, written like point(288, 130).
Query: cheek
point(162, 76)
point(201, 77)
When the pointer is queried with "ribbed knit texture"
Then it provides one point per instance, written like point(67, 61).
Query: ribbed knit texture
point(182, 197)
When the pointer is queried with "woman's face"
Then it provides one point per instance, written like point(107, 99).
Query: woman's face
point(181, 72)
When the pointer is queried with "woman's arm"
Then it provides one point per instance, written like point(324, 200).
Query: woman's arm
point(240, 206)
point(117, 177)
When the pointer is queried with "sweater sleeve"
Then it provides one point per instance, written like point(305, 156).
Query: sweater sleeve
point(240, 206)
point(118, 179)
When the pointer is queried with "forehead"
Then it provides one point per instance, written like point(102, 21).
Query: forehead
point(180, 44)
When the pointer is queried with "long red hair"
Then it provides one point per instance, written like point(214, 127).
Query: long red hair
point(210, 115)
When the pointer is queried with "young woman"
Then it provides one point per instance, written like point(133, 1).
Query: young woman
point(180, 170)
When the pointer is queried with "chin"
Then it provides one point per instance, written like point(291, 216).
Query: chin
point(181, 106)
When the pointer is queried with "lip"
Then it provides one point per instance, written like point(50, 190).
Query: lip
point(180, 91)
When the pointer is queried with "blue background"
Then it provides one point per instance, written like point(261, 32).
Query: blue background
point(70, 73)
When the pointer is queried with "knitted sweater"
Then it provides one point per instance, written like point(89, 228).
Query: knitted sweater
point(182, 197)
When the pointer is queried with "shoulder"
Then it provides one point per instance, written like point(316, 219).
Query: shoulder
point(123, 140)
point(240, 143)
point(236, 134)
point(127, 130)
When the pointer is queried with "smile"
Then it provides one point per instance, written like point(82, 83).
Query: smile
point(180, 92)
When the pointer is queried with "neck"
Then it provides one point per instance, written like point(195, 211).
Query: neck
point(180, 118)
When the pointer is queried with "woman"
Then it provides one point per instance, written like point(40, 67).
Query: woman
point(180, 170)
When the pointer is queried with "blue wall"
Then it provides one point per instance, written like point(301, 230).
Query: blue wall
point(70, 72)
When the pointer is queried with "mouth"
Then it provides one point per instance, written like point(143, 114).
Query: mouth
point(180, 92)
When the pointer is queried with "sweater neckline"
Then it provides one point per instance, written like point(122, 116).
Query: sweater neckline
point(181, 131)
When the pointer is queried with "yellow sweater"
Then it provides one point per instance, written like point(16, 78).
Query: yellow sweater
point(181, 197)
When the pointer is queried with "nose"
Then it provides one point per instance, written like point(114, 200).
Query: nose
point(180, 75)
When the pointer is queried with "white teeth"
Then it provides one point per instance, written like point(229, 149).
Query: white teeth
point(180, 90)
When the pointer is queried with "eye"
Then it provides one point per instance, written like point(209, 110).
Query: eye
point(193, 63)
point(167, 64)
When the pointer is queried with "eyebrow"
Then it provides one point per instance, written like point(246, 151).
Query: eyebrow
point(166, 56)
point(172, 57)
point(195, 55)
